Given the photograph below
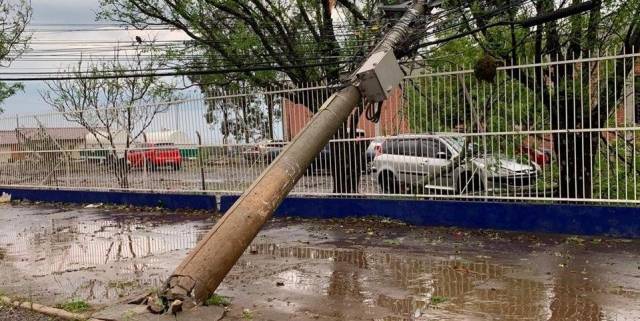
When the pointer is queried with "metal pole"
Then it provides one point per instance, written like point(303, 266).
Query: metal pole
point(200, 273)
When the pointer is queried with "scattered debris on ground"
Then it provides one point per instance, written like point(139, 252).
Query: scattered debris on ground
point(5, 198)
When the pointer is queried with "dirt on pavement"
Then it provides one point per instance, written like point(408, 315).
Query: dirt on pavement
point(8, 313)
point(348, 269)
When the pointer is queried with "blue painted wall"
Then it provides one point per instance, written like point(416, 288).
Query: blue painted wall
point(553, 218)
point(169, 201)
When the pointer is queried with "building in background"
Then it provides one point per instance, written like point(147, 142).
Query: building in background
point(13, 142)
point(393, 119)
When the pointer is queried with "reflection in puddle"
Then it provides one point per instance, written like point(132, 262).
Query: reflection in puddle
point(67, 245)
point(410, 284)
point(86, 254)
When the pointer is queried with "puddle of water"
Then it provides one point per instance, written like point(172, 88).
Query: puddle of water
point(89, 253)
point(310, 270)
point(423, 287)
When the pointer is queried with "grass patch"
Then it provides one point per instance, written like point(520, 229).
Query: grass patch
point(437, 299)
point(74, 306)
point(218, 300)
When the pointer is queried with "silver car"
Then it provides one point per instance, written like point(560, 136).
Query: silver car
point(433, 162)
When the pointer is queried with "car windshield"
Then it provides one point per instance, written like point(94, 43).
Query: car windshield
point(457, 143)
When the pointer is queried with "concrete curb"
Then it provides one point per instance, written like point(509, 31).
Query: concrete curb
point(50, 311)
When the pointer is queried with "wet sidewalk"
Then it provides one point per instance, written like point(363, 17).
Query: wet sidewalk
point(325, 270)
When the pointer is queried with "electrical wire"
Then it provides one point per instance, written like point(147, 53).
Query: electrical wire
point(160, 74)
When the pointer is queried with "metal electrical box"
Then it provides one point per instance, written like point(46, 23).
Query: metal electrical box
point(379, 75)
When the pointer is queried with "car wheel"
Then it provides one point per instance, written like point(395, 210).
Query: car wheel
point(388, 183)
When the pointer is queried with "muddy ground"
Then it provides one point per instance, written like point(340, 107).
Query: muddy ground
point(14, 314)
point(352, 269)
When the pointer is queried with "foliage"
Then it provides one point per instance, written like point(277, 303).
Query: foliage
point(437, 299)
point(74, 306)
point(14, 15)
point(218, 300)
point(544, 97)
point(288, 33)
point(8, 90)
point(247, 118)
point(616, 168)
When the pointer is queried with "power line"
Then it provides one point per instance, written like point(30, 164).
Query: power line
point(169, 74)
point(189, 65)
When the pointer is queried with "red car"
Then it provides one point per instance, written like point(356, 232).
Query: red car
point(155, 155)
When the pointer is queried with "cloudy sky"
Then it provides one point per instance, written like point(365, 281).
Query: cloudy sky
point(63, 12)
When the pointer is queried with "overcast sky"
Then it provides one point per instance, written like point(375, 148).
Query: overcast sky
point(63, 12)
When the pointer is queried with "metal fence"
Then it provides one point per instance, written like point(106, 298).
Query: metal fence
point(545, 131)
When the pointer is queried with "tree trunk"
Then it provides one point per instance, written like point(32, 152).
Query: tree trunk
point(119, 168)
point(245, 124)
point(576, 158)
point(270, 117)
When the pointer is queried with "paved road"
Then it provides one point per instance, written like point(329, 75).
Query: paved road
point(325, 270)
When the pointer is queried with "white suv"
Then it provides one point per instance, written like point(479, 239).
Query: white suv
point(438, 162)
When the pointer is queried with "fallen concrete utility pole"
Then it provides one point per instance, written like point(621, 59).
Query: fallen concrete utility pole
point(200, 273)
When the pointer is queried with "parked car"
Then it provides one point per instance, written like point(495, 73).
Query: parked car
point(263, 151)
point(374, 149)
point(155, 155)
point(434, 162)
point(320, 163)
point(253, 153)
point(272, 150)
